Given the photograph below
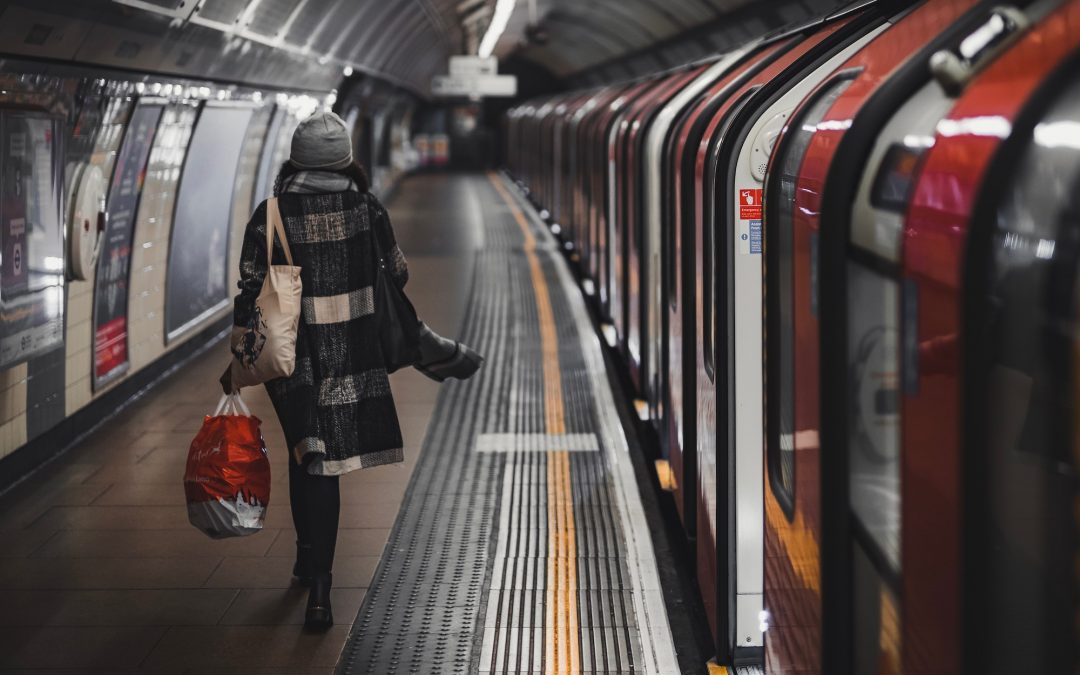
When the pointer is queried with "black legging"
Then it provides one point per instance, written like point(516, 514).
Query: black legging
point(316, 505)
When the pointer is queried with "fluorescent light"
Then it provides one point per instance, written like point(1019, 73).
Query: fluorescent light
point(503, 10)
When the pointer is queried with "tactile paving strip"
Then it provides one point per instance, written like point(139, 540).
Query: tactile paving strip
point(512, 557)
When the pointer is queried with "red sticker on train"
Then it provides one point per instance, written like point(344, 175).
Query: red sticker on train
point(750, 204)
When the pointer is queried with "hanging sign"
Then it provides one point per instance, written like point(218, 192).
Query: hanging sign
point(474, 85)
point(466, 66)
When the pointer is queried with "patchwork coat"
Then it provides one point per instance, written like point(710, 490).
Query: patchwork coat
point(336, 408)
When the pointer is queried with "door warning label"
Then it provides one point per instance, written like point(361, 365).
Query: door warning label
point(750, 204)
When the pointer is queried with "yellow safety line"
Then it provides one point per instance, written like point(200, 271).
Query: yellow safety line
point(716, 669)
point(563, 657)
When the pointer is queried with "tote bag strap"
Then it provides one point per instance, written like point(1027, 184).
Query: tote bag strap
point(275, 226)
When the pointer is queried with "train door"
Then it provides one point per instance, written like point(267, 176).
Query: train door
point(626, 280)
point(610, 291)
point(639, 277)
point(792, 503)
point(592, 150)
point(653, 160)
point(577, 161)
point(806, 503)
point(739, 156)
point(657, 158)
point(1022, 393)
point(985, 269)
point(730, 441)
point(895, 429)
point(680, 304)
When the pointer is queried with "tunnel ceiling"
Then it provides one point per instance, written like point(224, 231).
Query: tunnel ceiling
point(584, 34)
point(305, 44)
point(404, 41)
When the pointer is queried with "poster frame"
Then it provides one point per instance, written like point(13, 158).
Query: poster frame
point(100, 382)
point(190, 326)
point(29, 103)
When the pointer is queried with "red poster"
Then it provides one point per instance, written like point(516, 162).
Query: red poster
point(110, 346)
point(750, 204)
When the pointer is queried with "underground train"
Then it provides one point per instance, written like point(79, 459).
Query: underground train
point(840, 267)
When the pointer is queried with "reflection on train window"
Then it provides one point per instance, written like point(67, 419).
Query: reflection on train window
point(1026, 391)
point(781, 233)
point(31, 235)
point(873, 415)
point(895, 177)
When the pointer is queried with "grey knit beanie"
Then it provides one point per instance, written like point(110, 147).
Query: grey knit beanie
point(321, 142)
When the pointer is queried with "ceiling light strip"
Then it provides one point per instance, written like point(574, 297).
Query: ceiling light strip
point(503, 10)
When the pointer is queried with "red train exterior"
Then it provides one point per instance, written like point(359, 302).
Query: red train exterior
point(885, 196)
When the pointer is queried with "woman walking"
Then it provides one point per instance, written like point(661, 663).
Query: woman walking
point(336, 408)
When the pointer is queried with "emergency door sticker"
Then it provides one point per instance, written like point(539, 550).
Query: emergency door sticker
point(750, 211)
point(750, 204)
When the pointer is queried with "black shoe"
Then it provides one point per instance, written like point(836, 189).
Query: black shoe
point(300, 567)
point(319, 616)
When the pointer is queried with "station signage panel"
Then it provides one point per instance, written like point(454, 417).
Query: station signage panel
point(475, 77)
point(465, 66)
point(474, 85)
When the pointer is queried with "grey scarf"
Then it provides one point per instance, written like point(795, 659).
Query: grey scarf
point(318, 182)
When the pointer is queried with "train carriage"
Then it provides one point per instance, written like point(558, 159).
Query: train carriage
point(780, 237)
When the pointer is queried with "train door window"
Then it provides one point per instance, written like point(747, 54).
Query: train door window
point(669, 230)
point(780, 314)
point(1022, 426)
point(708, 281)
point(874, 409)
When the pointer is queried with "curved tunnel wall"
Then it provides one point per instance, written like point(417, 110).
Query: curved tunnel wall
point(177, 166)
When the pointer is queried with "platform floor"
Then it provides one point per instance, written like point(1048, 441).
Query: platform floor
point(517, 542)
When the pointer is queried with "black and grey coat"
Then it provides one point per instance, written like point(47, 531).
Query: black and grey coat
point(336, 408)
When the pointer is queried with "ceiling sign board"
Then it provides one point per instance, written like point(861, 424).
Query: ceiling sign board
point(474, 85)
point(473, 65)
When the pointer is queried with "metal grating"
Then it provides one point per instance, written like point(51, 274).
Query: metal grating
point(222, 11)
point(270, 16)
point(513, 559)
point(313, 18)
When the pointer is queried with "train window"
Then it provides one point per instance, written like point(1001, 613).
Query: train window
point(709, 282)
point(895, 178)
point(781, 293)
point(873, 373)
point(1021, 427)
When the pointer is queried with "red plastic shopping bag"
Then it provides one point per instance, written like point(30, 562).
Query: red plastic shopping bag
point(227, 481)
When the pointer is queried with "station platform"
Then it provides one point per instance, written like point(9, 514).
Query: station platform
point(512, 540)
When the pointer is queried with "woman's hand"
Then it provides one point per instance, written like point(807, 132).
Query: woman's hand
point(226, 381)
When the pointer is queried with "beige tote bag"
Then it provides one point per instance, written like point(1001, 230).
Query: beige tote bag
point(267, 351)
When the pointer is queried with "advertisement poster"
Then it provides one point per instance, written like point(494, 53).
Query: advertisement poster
point(196, 287)
point(31, 238)
point(114, 261)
